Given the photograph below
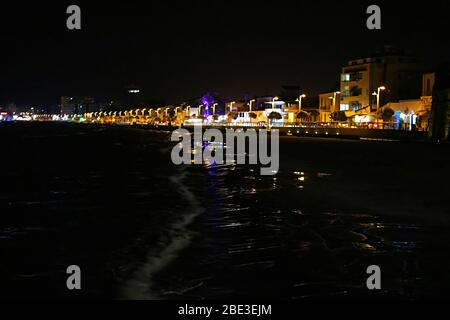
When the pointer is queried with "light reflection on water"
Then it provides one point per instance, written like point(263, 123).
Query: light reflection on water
point(272, 237)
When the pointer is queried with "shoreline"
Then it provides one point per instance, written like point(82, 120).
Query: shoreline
point(382, 135)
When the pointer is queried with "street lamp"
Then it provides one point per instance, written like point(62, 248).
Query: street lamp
point(231, 106)
point(273, 101)
point(250, 104)
point(299, 100)
point(335, 94)
point(382, 88)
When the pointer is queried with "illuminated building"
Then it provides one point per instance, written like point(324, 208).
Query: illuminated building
point(328, 103)
point(396, 71)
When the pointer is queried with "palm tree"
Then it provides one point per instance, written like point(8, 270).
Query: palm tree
point(232, 116)
point(274, 116)
point(314, 114)
point(387, 114)
point(302, 115)
point(339, 116)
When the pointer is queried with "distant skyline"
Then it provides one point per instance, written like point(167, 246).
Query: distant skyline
point(177, 50)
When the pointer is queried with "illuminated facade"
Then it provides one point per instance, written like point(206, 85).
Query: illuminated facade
point(328, 103)
point(399, 73)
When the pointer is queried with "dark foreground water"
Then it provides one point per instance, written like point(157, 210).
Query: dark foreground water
point(109, 200)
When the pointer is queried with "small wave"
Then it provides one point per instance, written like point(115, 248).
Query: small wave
point(139, 287)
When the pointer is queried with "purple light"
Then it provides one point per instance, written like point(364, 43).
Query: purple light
point(207, 101)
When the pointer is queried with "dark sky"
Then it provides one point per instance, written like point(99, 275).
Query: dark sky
point(176, 50)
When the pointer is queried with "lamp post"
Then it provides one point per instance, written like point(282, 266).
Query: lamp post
point(250, 104)
point(335, 94)
point(299, 100)
point(231, 106)
point(273, 102)
point(382, 88)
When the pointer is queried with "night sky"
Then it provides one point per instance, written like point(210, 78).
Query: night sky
point(177, 50)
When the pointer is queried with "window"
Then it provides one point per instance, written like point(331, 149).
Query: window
point(345, 92)
point(345, 77)
point(345, 107)
point(355, 91)
point(355, 105)
point(356, 76)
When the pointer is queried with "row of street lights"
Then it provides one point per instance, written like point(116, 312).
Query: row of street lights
point(230, 105)
point(187, 109)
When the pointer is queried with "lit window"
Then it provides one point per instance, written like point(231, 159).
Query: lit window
point(345, 77)
point(345, 107)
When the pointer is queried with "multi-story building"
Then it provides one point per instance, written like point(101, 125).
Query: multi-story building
point(75, 105)
point(399, 73)
point(67, 105)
